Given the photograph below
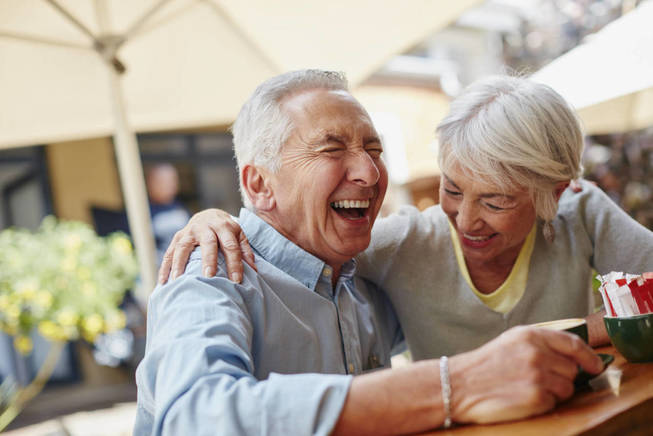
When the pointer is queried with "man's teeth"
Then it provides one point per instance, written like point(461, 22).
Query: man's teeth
point(476, 238)
point(350, 204)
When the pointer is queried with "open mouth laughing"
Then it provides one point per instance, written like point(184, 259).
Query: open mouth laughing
point(351, 209)
point(477, 241)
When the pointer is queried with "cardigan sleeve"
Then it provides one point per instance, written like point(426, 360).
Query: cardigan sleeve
point(619, 243)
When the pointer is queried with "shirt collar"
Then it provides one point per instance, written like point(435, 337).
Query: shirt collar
point(284, 254)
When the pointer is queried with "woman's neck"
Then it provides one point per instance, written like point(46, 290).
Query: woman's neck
point(489, 276)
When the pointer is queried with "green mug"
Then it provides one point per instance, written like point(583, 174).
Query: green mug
point(577, 326)
point(632, 336)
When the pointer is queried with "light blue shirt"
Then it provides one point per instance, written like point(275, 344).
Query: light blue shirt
point(273, 355)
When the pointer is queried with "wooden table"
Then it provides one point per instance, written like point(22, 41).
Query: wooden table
point(589, 412)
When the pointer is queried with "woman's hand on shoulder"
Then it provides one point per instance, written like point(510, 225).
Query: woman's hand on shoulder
point(211, 229)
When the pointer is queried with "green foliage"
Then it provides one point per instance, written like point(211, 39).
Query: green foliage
point(64, 280)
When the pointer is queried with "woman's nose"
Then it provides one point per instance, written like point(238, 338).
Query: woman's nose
point(468, 218)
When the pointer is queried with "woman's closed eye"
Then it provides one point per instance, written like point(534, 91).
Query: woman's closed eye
point(452, 193)
point(494, 207)
point(500, 205)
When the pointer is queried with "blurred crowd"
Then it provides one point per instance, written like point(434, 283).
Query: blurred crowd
point(554, 27)
point(622, 165)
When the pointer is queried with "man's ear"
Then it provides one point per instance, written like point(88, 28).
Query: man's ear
point(560, 188)
point(256, 183)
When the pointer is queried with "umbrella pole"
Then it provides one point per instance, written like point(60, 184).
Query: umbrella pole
point(133, 189)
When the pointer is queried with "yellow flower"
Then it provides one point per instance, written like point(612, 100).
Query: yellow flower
point(72, 241)
point(92, 325)
point(27, 289)
point(51, 330)
point(89, 288)
point(23, 344)
point(12, 312)
point(44, 299)
point(67, 317)
point(122, 245)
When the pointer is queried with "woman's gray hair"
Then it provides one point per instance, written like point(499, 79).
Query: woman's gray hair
point(514, 133)
point(262, 127)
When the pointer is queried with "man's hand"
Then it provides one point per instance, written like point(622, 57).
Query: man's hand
point(523, 372)
point(210, 229)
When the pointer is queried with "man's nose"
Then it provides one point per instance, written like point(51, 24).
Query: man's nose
point(468, 219)
point(362, 169)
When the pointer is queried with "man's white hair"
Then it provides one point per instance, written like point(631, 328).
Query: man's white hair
point(513, 133)
point(262, 127)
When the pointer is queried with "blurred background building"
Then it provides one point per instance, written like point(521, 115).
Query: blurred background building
point(406, 88)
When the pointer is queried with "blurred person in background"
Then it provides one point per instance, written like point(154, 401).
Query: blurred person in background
point(508, 245)
point(291, 349)
point(168, 214)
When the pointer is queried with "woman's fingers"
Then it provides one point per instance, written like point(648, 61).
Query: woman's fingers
point(209, 246)
point(248, 253)
point(182, 250)
point(166, 264)
point(227, 239)
point(213, 230)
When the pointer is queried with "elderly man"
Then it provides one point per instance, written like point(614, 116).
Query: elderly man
point(291, 349)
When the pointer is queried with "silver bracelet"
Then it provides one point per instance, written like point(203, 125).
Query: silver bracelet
point(446, 390)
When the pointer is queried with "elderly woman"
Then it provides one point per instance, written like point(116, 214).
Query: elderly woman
point(507, 245)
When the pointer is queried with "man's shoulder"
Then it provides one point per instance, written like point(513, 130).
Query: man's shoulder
point(409, 222)
point(192, 281)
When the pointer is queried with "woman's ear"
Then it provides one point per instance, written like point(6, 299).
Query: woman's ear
point(560, 188)
point(256, 183)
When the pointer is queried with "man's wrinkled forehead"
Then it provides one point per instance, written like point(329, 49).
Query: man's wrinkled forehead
point(326, 117)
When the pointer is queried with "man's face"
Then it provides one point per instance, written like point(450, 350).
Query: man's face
point(332, 180)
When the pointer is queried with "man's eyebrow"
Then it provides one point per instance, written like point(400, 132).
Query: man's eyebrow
point(343, 138)
point(370, 139)
point(330, 136)
point(486, 195)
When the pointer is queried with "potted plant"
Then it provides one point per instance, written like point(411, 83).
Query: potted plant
point(64, 281)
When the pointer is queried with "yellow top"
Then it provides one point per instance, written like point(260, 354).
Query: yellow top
point(506, 297)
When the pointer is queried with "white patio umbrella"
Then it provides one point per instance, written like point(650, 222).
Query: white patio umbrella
point(73, 69)
point(609, 78)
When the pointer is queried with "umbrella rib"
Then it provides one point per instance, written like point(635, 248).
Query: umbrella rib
point(239, 31)
point(41, 40)
point(136, 26)
point(73, 19)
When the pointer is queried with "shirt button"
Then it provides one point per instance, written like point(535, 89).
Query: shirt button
point(351, 368)
point(326, 272)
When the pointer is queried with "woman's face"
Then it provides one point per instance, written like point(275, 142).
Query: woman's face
point(491, 224)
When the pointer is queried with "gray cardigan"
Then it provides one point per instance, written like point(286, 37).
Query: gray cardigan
point(412, 258)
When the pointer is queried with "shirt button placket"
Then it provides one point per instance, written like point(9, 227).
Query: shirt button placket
point(350, 335)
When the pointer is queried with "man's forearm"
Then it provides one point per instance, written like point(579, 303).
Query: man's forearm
point(396, 401)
